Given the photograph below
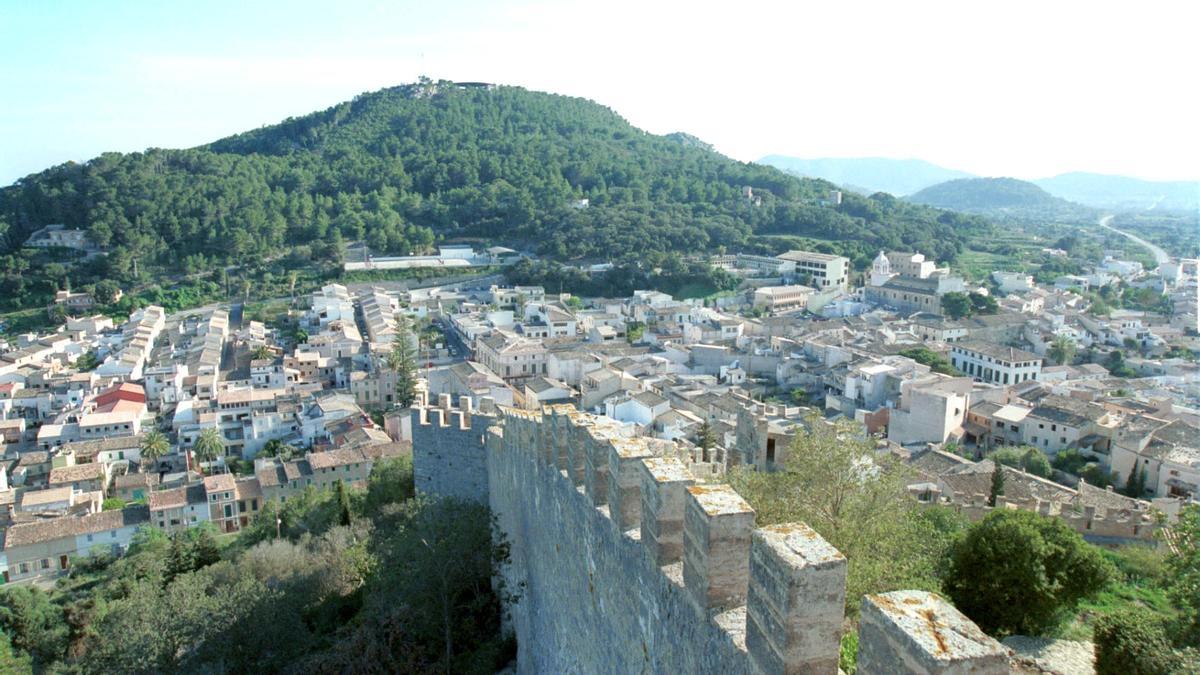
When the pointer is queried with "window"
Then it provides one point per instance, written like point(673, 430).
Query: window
point(24, 568)
point(45, 563)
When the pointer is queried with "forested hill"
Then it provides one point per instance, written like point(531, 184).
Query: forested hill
point(408, 166)
point(1001, 198)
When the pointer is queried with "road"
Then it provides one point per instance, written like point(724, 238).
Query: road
point(1160, 256)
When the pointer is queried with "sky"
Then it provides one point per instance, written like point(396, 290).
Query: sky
point(997, 88)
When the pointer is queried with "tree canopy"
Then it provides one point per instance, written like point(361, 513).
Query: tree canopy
point(403, 167)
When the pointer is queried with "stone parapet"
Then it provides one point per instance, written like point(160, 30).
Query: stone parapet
point(919, 632)
point(628, 562)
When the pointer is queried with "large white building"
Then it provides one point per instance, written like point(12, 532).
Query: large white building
point(995, 364)
point(826, 271)
point(782, 298)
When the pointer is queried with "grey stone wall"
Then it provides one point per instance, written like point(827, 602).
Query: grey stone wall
point(592, 600)
point(624, 563)
point(448, 452)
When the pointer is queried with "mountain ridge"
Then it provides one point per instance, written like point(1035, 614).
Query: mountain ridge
point(1004, 198)
point(897, 177)
point(404, 167)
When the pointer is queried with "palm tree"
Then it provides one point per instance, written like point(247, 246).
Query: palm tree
point(153, 446)
point(208, 446)
point(261, 352)
point(1062, 350)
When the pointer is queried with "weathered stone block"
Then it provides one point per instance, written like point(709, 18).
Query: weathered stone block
point(717, 524)
point(595, 466)
point(664, 480)
point(796, 601)
point(920, 632)
point(625, 482)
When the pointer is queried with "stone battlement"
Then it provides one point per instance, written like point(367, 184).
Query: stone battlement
point(1094, 523)
point(628, 562)
point(447, 442)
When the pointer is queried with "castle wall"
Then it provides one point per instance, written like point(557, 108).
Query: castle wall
point(592, 600)
point(448, 456)
point(622, 560)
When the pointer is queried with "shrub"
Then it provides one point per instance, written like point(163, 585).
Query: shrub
point(1017, 572)
point(1133, 642)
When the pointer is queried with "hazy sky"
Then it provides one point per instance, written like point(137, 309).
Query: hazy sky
point(1018, 88)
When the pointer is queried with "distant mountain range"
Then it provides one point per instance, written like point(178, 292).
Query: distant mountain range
point(869, 174)
point(1003, 198)
point(902, 177)
point(1122, 193)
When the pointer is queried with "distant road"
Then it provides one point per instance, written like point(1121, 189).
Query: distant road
point(1160, 256)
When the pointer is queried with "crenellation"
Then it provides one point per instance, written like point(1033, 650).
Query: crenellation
point(717, 524)
point(628, 561)
point(624, 481)
point(664, 480)
point(796, 601)
point(595, 465)
point(448, 451)
point(919, 632)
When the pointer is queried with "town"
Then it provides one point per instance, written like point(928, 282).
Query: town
point(171, 421)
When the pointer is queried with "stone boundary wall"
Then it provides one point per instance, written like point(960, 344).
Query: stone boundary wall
point(1095, 524)
point(624, 562)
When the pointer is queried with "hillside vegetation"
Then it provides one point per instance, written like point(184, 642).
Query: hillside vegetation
point(405, 167)
point(1005, 198)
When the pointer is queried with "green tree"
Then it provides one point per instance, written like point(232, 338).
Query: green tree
point(153, 446)
point(1133, 642)
point(208, 446)
point(262, 353)
point(1095, 474)
point(402, 361)
point(442, 558)
point(634, 331)
point(1184, 564)
point(705, 439)
point(12, 661)
point(1026, 458)
point(983, 304)
point(832, 479)
point(997, 487)
point(33, 623)
point(1117, 366)
point(342, 497)
point(1135, 484)
point(956, 305)
point(105, 292)
point(205, 550)
point(1018, 572)
point(181, 558)
point(390, 482)
point(938, 363)
point(277, 448)
point(1062, 350)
